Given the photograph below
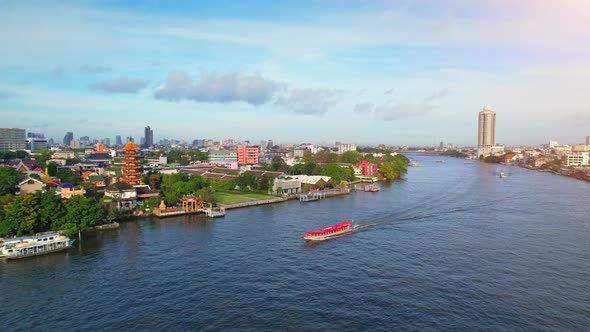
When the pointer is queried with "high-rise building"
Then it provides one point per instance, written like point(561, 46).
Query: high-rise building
point(118, 140)
point(68, 138)
point(486, 133)
point(35, 135)
point(587, 140)
point(441, 145)
point(12, 139)
point(149, 137)
point(107, 141)
point(50, 142)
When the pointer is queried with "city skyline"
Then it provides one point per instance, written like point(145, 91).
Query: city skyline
point(403, 73)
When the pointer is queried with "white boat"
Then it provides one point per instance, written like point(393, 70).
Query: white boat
point(26, 246)
point(503, 175)
point(414, 164)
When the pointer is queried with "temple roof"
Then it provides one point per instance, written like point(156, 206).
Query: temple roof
point(130, 147)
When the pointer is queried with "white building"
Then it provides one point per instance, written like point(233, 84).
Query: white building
point(577, 159)
point(486, 132)
point(553, 144)
point(345, 148)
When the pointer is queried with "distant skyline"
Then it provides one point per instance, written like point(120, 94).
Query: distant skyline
point(391, 72)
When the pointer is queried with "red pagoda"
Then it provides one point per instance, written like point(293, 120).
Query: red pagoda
point(130, 173)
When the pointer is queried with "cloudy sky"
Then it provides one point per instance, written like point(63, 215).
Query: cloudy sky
point(368, 72)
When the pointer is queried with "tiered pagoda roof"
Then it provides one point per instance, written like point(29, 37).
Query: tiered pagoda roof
point(129, 171)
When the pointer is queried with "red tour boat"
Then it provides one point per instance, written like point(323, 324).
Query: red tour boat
point(328, 232)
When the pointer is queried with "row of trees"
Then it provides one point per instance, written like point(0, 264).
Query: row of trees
point(175, 186)
point(46, 211)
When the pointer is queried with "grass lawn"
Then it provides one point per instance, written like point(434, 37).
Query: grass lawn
point(225, 198)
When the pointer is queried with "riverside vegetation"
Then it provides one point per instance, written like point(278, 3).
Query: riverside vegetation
point(46, 211)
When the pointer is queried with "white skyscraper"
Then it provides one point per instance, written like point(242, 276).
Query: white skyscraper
point(486, 133)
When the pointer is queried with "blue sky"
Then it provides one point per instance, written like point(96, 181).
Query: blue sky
point(393, 72)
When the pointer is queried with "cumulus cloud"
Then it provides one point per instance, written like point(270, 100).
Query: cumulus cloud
point(390, 91)
point(440, 94)
point(363, 107)
point(94, 69)
point(390, 112)
point(309, 101)
point(218, 87)
point(121, 85)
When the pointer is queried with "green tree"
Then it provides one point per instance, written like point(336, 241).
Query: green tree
point(279, 165)
point(308, 157)
point(21, 154)
point(208, 195)
point(43, 156)
point(66, 175)
point(81, 213)
point(9, 178)
point(351, 157)
point(52, 168)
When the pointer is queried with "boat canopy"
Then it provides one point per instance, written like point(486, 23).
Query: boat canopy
point(333, 228)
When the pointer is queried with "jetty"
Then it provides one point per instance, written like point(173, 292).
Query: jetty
point(310, 197)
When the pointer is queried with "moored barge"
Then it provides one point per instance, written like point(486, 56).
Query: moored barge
point(27, 246)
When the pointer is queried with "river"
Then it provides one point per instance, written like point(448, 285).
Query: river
point(450, 247)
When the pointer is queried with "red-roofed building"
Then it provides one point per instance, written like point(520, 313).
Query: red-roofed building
point(510, 158)
point(368, 168)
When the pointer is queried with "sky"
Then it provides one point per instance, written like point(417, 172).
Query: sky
point(412, 72)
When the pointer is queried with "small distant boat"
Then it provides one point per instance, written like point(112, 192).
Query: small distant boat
point(414, 164)
point(372, 188)
point(502, 175)
point(27, 246)
point(329, 232)
point(440, 161)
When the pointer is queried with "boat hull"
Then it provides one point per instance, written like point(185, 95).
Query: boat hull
point(34, 254)
point(327, 236)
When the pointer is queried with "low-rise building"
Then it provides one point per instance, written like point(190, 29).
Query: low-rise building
point(123, 194)
point(68, 190)
point(315, 181)
point(30, 185)
point(368, 168)
point(577, 159)
point(286, 185)
point(223, 155)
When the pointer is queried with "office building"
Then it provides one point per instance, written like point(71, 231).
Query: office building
point(12, 139)
point(587, 140)
point(68, 138)
point(118, 140)
point(149, 137)
point(35, 144)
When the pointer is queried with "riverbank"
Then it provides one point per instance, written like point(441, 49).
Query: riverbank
point(578, 173)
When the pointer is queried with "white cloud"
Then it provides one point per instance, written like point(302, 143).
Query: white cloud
point(218, 87)
point(363, 108)
point(390, 112)
point(309, 101)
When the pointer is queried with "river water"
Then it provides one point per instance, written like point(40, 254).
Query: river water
point(450, 247)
